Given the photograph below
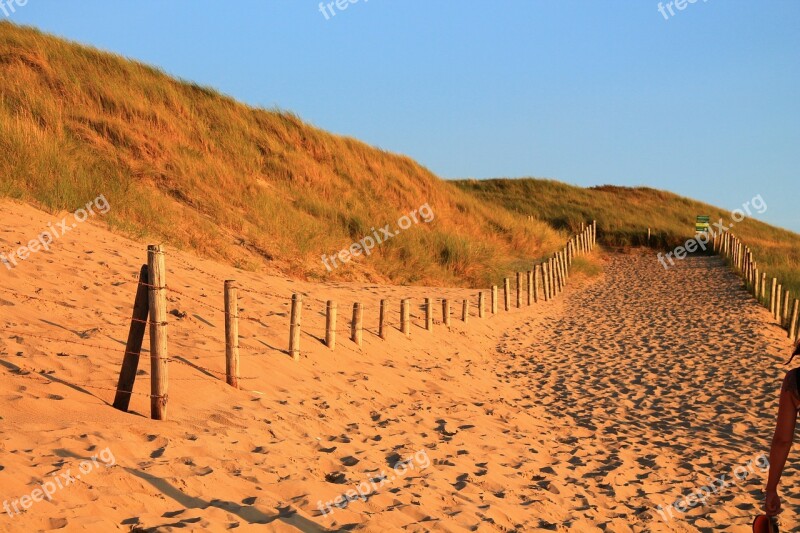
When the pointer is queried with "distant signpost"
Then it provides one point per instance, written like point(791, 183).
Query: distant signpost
point(702, 225)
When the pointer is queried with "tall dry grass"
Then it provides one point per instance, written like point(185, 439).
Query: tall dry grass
point(256, 188)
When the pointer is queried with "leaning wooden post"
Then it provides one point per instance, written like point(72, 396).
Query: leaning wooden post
point(429, 314)
point(793, 321)
point(330, 325)
point(133, 348)
point(294, 326)
point(357, 325)
point(537, 277)
point(778, 302)
point(382, 320)
point(480, 305)
point(529, 286)
point(506, 294)
point(465, 311)
point(405, 317)
point(494, 299)
point(446, 312)
point(519, 290)
point(159, 353)
point(231, 334)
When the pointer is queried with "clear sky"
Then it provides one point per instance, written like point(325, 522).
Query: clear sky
point(705, 102)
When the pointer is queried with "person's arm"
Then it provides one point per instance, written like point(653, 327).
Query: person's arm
point(781, 441)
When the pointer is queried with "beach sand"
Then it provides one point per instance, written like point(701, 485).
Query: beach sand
point(627, 392)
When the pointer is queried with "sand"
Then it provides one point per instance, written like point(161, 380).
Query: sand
point(583, 414)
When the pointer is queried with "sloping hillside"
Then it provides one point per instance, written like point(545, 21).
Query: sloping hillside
point(624, 214)
point(252, 187)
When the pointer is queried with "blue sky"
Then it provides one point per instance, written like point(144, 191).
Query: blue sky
point(704, 103)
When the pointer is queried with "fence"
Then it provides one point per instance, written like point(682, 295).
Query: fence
point(781, 303)
point(544, 282)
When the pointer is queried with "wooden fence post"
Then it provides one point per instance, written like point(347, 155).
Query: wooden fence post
point(494, 299)
point(465, 311)
point(772, 296)
point(756, 280)
point(382, 320)
point(405, 319)
point(778, 302)
point(764, 288)
point(294, 326)
point(357, 334)
point(429, 314)
point(133, 348)
point(537, 277)
point(793, 321)
point(480, 305)
point(556, 281)
point(231, 334)
point(785, 309)
point(519, 290)
point(330, 325)
point(159, 353)
point(506, 295)
point(545, 281)
point(446, 312)
point(529, 286)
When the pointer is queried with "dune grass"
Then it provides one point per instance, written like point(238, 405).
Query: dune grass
point(256, 188)
point(624, 214)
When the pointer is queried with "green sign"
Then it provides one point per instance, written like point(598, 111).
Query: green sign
point(702, 225)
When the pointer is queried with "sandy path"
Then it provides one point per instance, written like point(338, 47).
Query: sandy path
point(669, 379)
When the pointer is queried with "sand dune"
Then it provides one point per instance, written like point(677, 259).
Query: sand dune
point(582, 414)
